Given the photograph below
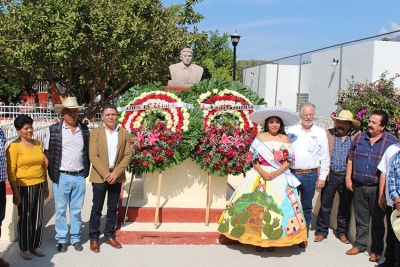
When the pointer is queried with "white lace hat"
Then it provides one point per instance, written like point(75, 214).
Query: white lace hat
point(288, 116)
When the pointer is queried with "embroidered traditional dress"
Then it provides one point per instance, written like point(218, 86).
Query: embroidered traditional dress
point(266, 213)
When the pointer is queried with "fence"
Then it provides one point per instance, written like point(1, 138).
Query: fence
point(318, 76)
point(42, 117)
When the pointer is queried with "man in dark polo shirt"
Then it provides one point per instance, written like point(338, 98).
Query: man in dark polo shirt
point(362, 178)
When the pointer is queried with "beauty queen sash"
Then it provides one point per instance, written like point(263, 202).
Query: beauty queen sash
point(265, 152)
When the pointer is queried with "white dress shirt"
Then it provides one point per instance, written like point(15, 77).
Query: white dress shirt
point(310, 149)
point(384, 167)
point(112, 145)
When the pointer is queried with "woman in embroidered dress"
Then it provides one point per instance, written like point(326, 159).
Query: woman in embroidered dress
point(27, 175)
point(265, 210)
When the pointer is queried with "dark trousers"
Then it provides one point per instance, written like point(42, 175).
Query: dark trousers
point(390, 238)
point(334, 184)
point(99, 194)
point(30, 211)
point(2, 202)
point(397, 251)
point(366, 207)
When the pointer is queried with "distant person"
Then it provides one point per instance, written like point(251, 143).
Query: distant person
point(3, 177)
point(27, 175)
point(311, 167)
point(110, 154)
point(339, 141)
point(184, 71)
point(362, 178)
point(67, 147)
point(386, 203)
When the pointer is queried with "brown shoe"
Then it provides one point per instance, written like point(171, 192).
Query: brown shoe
point(4, 263)
point(303, 244)
point(94, 246)
point(113, 242)
point(374, 257)
point(38, 252)
point(344, 239)
point(353, 251)
point(319, 238)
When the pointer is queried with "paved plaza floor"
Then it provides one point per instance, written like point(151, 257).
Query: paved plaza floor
point(329, 253)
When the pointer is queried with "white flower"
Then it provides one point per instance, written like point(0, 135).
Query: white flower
point(215, 91)
point(185, 128)
point(136, 124)
point(186, 115)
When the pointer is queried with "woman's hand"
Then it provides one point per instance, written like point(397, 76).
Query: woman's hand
point(46, 191)
point(268, 176)
point(17, 198)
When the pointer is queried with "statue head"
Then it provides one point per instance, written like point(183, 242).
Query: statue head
point(187, 56)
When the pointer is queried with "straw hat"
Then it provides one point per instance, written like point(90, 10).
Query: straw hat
point(395, 219)
point(346, 115)
point(288, 117)
point(69, 102)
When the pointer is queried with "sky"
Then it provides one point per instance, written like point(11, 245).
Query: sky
point(273, 29)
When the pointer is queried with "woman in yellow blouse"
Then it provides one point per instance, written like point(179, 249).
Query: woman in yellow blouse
point(27, 175)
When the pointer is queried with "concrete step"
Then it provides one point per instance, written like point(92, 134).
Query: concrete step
point(140, 233)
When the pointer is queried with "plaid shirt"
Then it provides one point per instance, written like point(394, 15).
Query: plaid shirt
point(394, 177)
point(3, 172)
point(339, 152)
point(366, 157)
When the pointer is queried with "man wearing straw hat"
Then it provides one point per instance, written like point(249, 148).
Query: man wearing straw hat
point(339, 141)
point(311, 166)
point(67, 148)
point(362, 178)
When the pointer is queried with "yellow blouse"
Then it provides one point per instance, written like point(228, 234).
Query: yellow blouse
point(25, 165)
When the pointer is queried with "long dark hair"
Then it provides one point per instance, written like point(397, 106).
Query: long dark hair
point(281, 129)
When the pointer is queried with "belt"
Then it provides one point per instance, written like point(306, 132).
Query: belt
point(298, 171)
point(365, 184)
point(72, 173)
point(338, 173)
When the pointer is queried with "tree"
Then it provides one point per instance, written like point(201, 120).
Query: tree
point(94, 47)
point(212, 52)
point(9, 90)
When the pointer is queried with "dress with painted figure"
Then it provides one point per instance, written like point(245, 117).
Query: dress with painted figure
point(265, 213)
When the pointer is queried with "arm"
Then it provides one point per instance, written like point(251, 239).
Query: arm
point(349, 170)
point(382, 197)
point(12, 156)
point(272, 175)
point(324, 163)
point(393, 186)
point(94, 154)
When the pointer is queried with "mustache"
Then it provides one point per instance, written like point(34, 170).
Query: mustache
point(340, 128)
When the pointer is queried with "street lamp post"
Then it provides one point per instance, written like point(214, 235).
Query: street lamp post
point(235, 40)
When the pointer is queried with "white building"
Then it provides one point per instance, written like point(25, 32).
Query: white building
point(319, 81)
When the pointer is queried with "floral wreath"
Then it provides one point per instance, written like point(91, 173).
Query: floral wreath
point(227, 130)
point(159, 127)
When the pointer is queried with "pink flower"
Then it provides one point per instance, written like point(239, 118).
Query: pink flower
point(237, 141)
point(139, 137)
point(225, 139)
point(152, 138)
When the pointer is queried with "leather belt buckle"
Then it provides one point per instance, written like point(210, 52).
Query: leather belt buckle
point(71, 173)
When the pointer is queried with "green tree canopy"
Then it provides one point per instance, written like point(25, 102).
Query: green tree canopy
point(94, 47)
point(212, 52)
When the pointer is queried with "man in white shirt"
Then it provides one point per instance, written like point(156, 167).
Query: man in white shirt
point(311, 164)
point(386, 203)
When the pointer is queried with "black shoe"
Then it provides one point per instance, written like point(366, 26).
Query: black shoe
point(270, 249)
point(62, 247)
point(259, 249)
point(78, 246)
point(385, 264)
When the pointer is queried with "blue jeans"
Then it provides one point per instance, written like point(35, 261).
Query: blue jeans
point(306, 191)
point(99, 195)
point(70, 191)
